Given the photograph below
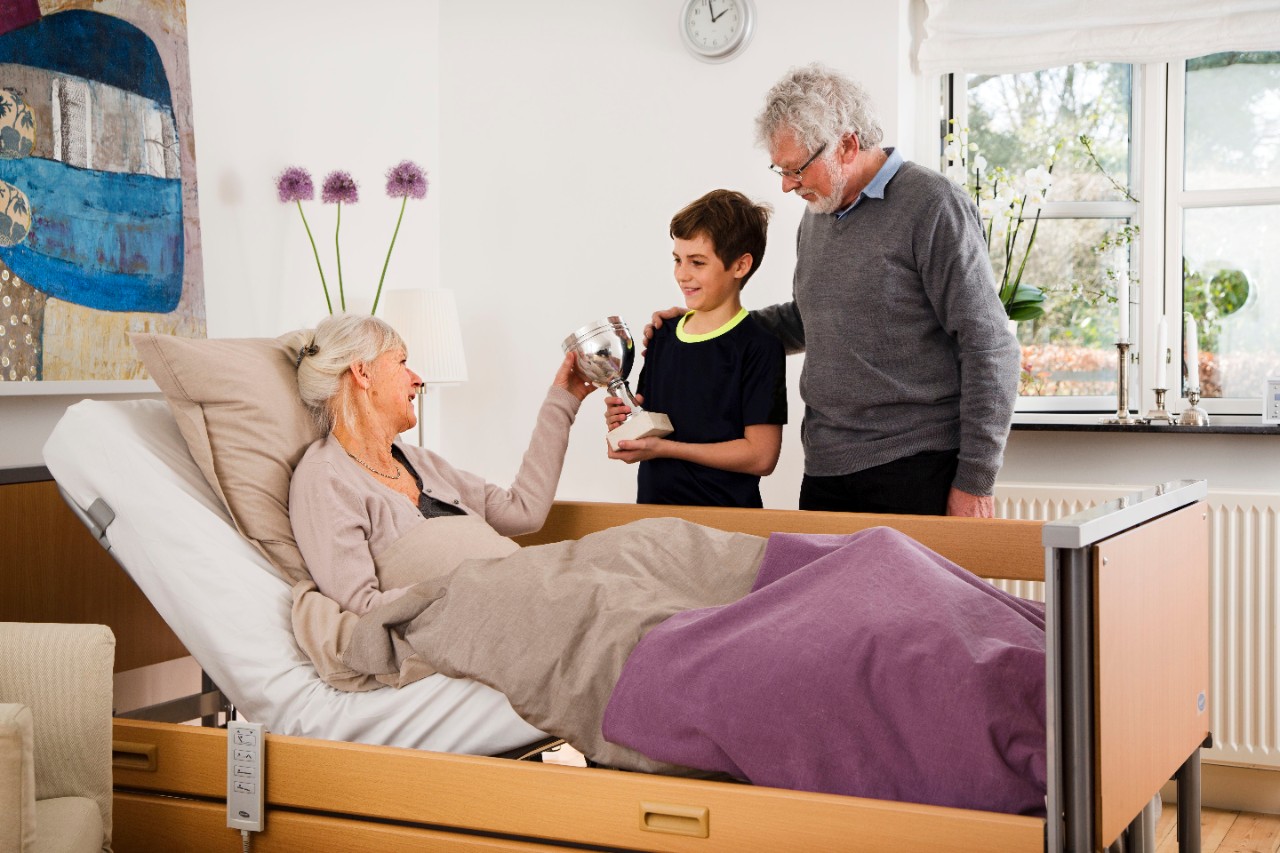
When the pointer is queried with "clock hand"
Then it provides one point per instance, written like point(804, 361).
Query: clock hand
point(712, 11)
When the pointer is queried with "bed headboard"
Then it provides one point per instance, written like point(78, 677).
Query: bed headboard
point(55, 571)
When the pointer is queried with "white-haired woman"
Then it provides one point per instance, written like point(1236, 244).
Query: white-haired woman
point(358, 490)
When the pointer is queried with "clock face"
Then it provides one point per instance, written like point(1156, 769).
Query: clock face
point(716, 30)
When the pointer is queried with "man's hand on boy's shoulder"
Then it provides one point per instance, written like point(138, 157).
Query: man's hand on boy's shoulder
point(656, 323)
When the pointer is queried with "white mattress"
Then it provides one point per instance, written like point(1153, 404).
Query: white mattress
point(228, 606)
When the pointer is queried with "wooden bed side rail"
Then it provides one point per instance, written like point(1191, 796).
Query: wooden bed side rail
point(537, 802)
point(144, 823)
point(993, 548)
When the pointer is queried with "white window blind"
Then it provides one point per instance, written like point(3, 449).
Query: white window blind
point(998, 36)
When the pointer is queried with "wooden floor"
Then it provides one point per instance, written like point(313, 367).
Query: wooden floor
point(1222, 831)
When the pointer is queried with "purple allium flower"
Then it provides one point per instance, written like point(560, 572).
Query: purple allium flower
point(339, 187)
point(406, 180)
point(294, 184)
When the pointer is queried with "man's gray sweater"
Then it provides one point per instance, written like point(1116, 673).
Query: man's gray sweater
point(907, 347)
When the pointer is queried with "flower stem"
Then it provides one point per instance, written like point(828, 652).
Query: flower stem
point(376, 296)
point(1087, 142)
point(323, 284)
point(1031, 241)
point(337, 250)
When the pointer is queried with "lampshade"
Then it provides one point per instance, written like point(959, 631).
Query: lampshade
point(428, 322)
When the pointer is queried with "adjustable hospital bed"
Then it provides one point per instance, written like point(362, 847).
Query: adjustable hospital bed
point(407, 769)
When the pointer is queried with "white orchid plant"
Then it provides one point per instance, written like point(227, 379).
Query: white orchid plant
point(1010, 209)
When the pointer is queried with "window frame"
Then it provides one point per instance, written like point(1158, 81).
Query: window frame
point(1178, 200)
point(956, 106)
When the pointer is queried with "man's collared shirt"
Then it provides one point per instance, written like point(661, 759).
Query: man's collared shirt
point(875, 189)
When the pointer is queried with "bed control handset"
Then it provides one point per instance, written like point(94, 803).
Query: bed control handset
point(246, 746)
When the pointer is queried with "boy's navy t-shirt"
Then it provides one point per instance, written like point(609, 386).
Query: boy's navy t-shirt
point(712, 386)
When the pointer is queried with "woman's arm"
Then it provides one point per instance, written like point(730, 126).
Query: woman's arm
point(523, 506)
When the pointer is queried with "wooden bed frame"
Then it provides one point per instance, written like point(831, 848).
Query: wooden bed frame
point(1126, 588)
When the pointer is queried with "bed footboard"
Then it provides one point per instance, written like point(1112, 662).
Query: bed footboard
point(1128, 656)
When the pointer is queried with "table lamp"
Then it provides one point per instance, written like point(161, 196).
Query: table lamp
point(427, 319)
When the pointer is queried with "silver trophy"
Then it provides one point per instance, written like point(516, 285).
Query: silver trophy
point(605, 353)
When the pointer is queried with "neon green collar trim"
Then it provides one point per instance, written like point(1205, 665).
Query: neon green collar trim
point(690, 338)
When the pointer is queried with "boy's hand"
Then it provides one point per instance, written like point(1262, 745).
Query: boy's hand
point(616, 410)
point(656, 323)
point(636, 450)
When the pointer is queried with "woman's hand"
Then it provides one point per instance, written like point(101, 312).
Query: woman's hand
point(567, 378)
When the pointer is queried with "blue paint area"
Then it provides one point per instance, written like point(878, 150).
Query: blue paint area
point(105, 240)
point(93, 46)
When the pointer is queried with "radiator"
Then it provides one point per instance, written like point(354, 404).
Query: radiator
point(1244, 600)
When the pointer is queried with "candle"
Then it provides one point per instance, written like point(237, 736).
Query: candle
point(1122, 297)
point(1160, 354)
point(1191, 346)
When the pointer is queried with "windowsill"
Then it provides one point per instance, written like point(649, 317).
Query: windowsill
point(1092, 422)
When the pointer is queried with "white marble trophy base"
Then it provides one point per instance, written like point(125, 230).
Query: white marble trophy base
point(639, 425)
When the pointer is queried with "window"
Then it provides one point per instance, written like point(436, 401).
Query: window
point(1180, 195)
point(1224, 219)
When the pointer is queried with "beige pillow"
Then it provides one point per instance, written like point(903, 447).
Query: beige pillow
point(237, 405)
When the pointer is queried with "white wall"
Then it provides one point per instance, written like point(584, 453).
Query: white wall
point(559, 139)
point(307, 83)
point(570, 135)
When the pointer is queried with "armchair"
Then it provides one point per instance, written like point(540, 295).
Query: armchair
point(55, 737)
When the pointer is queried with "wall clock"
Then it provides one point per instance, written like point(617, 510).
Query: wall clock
point(717, 30)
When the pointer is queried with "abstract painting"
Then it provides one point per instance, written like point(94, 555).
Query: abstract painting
point(99, 232)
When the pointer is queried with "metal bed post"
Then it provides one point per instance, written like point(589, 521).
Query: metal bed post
point(1188, 780)
point(1076, 606)
point(210, 719)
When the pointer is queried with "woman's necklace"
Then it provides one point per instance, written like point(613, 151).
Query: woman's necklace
point(395, 476)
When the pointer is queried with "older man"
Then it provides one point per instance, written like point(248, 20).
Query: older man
point(910, 370)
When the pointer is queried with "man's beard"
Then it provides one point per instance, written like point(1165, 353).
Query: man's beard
point(835, 199)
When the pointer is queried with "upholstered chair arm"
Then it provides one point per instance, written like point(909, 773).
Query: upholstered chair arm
point(63, 674)
point(17, 779)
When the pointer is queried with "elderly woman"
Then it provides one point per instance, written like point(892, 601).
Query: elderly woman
point(358, 490)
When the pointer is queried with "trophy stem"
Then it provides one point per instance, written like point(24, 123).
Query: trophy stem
point(620, 388)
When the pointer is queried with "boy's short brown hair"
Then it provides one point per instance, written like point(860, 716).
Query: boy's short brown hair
point(734, 224)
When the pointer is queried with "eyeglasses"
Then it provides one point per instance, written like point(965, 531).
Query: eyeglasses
point(797, 174)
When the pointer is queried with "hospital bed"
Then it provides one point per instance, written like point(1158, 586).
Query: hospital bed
point(406, 769)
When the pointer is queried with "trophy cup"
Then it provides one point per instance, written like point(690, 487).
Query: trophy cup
point(604, 354)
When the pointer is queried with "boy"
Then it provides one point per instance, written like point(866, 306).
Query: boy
point(717, 374)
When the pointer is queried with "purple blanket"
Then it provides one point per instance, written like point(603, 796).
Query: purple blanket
point(861, 664)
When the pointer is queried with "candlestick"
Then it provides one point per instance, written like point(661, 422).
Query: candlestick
point(1193, 415)
point(1122, 388)
point(1159, 413)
